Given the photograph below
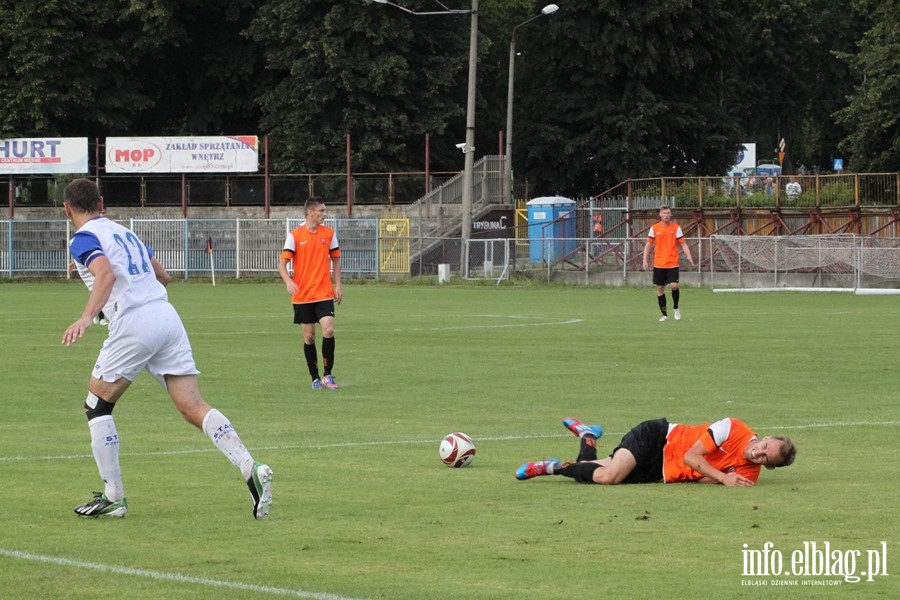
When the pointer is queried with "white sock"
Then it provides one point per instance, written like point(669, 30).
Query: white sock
point(105, 444)
point(222, 433)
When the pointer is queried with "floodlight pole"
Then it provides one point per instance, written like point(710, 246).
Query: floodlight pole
point(508, 190)
point(469, 165)
point(469, 147)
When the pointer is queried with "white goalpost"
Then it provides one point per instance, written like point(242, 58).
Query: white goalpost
point(813, 263)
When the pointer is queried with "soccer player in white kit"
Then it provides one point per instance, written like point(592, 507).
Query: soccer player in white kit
point(128, 290)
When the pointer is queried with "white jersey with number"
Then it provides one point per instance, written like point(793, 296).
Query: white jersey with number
point(145, 331)
point(136, 282)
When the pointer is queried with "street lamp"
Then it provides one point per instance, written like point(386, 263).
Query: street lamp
point(469, 147)
point(507, 186)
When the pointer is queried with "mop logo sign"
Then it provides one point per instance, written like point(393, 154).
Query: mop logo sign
point(133, 155)
point(202, 154)
point(812, 564)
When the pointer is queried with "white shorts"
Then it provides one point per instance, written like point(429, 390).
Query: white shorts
point(149, 337)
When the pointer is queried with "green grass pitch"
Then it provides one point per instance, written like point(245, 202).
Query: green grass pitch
point(363, 506)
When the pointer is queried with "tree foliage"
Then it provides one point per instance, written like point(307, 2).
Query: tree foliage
point(127, 67)
point(788, 80)
point(623, 89)
point(65, 67)
point(383, 77)
point(203, 73)
point(873, 114)
point(605, 89)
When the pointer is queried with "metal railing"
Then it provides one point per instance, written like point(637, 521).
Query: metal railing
point(240, 247)
point(381, 247)
point(842, 261)
point(845, 190)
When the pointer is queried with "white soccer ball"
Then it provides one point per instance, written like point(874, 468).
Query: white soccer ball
point(457, 450)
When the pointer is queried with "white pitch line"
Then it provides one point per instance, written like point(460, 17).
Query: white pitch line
point(500, 438)
point(455, 327)
point(272, 448)
point(847, 424)
point(172, 577)
point(345, 329)
point(237, 585)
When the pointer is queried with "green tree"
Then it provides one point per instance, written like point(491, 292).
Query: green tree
point(125, 67)
point(840, 28)
point(382, 76)
point(624, 90)
point(788, 80)
point(605, 90)
point(873, 114)
point(203, 74)
point(67, 67)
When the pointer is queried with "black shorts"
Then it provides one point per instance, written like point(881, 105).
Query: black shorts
point(665, 276)
point(646, 441)
point(313, 312)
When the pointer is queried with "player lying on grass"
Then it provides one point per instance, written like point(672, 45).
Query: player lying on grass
point(725, 452)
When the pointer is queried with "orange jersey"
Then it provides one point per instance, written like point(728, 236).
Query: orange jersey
point(311, 255)
point(724, 441)
point(665, 240)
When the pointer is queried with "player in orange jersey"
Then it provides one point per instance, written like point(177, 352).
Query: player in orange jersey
point(666, 237)
point(725, 452)
point(314, 255)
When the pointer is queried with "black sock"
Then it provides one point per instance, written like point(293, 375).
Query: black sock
point(327, 355)
point(309, 351)
point(587, 449)
point(662, 303)
point(582, 472)
point(676, 294)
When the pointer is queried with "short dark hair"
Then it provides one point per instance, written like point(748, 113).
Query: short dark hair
point(788, 451)
point(313, 202)
point(82, 194)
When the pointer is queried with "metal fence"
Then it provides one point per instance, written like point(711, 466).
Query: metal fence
point(844, 190)
point(817, 191)
point(382, 247)
point(849, 262)
point(240, 247)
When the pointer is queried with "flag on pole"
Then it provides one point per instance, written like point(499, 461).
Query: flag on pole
point(209, 245)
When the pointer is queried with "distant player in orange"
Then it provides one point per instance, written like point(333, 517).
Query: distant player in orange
point(725, 452)
point(598, 225)
point(314, 255)
point(666, 237)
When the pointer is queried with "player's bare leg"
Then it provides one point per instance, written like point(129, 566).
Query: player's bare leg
point(185, 393)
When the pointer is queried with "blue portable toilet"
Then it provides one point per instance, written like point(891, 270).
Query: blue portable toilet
point(551, 228)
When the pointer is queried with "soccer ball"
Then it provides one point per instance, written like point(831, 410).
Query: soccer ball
point(457, 450)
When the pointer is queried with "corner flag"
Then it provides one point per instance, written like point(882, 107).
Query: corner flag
point(212, 264)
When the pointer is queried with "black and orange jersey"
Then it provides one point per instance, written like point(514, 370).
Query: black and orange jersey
point(724, 440)
point(311, 254)
point(665, 239)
